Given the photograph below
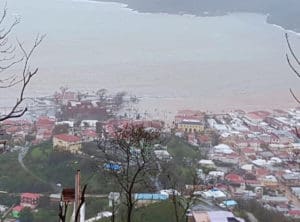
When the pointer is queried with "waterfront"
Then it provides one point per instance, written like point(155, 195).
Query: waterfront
point(170, 61)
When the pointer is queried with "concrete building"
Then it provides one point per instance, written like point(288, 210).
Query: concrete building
point(30, 200)
point(191, 125)
point(213, 216)
point(144, 199)
point(67, 143)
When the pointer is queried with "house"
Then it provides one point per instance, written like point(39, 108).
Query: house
point(234, 179)
point(229, 203)
point(257, 116)
point(16, 211)
point(296, 191)
point(189, 114)
point(294, 214)
point(269, 181)
point(30, 200)
point(213, 216)
point(191, 125)
point(275, 199)
point(214, 194)
point(114, 199)
point(89, 135)
point(207, 164)
point(291, 179)
point(162, 155)
point(144, 199)
point(233, 158)
point(44, 127)
point(88, 124)
point(66, 142)
point(223, 148)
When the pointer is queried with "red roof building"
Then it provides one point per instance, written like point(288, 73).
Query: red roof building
point(30, 200)
point(67, 143)
point(294, 213)
point(67, 138)
point(18, 208)
point(89, 135)
point(234, 179)
point(261, 172)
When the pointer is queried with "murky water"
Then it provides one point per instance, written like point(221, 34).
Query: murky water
point(172, 61)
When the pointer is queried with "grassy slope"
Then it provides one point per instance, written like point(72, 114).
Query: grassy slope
point(56, 167)
point(14, 179)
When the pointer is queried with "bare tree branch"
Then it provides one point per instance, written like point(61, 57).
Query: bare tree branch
point(294, 96)
point(292, 67)
point(9, 58)
point(291, 49)
point(129, 149)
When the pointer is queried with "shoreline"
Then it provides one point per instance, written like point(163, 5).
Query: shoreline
point(196, 14)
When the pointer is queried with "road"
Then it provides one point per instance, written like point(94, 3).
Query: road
point(251, 217)
point(21, 156)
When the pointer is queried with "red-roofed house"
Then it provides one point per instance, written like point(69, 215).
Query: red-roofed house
point(261, 172)
point(30, 200)
point(234, 179)
point(67, 142)
point(257, 116)
point(249, 151)
point(89, 135)
point(294, 213)
point(44, 127)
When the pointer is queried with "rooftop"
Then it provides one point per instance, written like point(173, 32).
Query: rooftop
point(30, 195)
point(68, 138)
point(150, 196)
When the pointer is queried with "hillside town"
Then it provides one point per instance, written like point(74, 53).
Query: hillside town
point(244, 155)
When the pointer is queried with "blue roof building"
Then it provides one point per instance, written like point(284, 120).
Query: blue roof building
point(151, 196)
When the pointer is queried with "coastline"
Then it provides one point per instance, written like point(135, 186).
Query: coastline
point(204, 13)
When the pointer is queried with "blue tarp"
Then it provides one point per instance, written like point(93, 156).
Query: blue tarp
point(112, 166)
point(229, 203)
point(151, 196)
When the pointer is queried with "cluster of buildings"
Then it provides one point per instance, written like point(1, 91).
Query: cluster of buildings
point(250, 155)
point(30, 200)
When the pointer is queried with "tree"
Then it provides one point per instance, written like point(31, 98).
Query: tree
point(26, 215)
point(13, 55)
point(129, 158)
point(293, 62)
point(182, 196)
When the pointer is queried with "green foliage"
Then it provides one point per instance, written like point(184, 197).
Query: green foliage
point(182, 151)
point(37, 154)
point(8, 199)
point(181, 169)
point(46, 215)
point(60, 167)
point(26, 215)
point(95, 205)
point(163, 211)
point(13, 178)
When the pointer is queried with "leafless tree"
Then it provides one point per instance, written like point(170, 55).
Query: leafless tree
point(128, 157)
point(13, 54)
point(182, 197)
point(294, 63)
